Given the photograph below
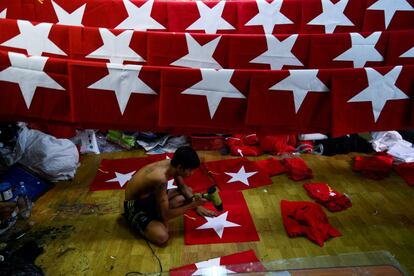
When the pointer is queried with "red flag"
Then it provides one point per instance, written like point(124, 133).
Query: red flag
point(233, 224)
point(297, 169)
point(406, 171)
point(271, 165)
point(355, 95)
point(400, 48)
point(328, 197)
point(239, 262)
point(302, 218)
point(237, 174)
point(376, 167)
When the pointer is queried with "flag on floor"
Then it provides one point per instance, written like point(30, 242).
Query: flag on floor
point(233, 224)
point(333, 200)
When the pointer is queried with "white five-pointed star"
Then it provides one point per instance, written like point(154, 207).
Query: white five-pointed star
point(28, 73)
point(269, 15)
point(139, 18)
point(123, 80)
point(218, 224)
point(241, 176)
point(390, 7)
point(380, 90)
point(211, 267)
point(35, 39)
point(116, 47)
point(70, 19)
point(301, 82)
point(215, 85)
point(279, 53)
point(170, 184)
point(3, 13)
point(408, 54)
point(362, 50)
point(210, 19)
point(199, 56)
point(121, 178)
point(332, 16)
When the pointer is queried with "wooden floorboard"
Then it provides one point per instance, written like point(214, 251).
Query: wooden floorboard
point(92, 238)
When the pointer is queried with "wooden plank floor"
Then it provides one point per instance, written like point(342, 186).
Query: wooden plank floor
point(97, 241)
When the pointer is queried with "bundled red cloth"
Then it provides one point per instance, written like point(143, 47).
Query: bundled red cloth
point(297, 169)
point(325, 195)
point(278, 144)
point(271, 165)
point(244, 145)
point(303, 218)
point(375, 167)
point(406, 171)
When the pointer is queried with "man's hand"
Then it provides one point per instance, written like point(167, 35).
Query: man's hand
point(197, 202)
point(205, 212)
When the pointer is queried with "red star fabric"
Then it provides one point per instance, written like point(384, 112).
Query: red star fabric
point(398, 44)
point(333, 200)
point(406, 171)
point(272, 166)
point(276, 109)
point(375, 167)
point(222, 170)
point(302, 218)
point(235, 212)
point(245, 261)
point(346, 116)
point(325, 48)
point(183, 110)
point(297, 169)
point(166, 48)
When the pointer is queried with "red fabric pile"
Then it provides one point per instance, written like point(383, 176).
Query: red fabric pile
point(297, 169)
point(375, 167)
point(278, 144)
point(325, 195)
point(302, 218)
point(406, 171)
point(244, 145)
point(271, 165)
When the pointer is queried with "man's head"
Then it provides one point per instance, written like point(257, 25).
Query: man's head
point(185, 159)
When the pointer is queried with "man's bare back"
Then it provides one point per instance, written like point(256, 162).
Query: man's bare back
point(147, 180)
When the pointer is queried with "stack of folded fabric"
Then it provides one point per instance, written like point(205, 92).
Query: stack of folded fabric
point(272, 166)
point(297, 169)
point(333, 200)
point(375, 167)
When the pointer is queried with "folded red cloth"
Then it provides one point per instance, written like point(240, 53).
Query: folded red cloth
point(375, 167)
point(278, 144)
point(271, 165)
point(303, 218)
point(297, 168)
point(406, 171)
point(245, 150)
point(325, 195)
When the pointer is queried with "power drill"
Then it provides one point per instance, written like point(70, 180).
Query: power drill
point(213, 196)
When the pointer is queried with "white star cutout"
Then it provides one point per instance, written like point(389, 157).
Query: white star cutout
point(380, 90)
point(390, 7)
point(210, 19)
point(35, 39)
point(279, 53)
point(301, 82)
point(215, 85)
point(139, 18)
point(362, 50)
point(218, 224)
point(170, 184)
point(115, 47)
point(332, 194)
point(241, 176)
point(332, 16)
point(408, 54)
point(28, 73)
point(69, 19)
point(122, 178)
point(269, 15)
point(124, 80)
point(3, 13)
point(211, 267)
point(199, 56)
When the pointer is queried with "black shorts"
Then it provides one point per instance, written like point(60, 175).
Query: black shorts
point(140, 212)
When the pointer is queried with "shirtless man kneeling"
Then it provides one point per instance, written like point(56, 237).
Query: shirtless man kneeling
point(148, 206)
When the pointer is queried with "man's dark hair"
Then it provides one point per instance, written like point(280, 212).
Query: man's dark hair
point(186, 157)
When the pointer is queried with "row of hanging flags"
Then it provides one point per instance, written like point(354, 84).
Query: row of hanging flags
point(283, 66)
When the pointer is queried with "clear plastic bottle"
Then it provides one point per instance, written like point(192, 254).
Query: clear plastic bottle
point(23, 201)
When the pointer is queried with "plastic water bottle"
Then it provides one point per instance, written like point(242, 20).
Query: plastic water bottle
point(23, 201)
